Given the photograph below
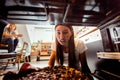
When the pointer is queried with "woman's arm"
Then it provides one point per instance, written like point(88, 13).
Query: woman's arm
point(85, 69)
point(84, 64)
point(5, 34)
point(52, 59)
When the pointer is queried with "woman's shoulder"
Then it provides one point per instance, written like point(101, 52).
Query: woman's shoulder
point(80, 46)
point(78, 42)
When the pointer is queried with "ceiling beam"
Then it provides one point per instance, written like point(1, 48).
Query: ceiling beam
point(26, 19)
point(25, 8)
point(54, 10)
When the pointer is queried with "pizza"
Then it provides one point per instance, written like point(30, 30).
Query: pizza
point(56, 73)
point(46, 73)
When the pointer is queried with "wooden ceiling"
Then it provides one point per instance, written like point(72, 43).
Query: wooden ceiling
point(75, 12)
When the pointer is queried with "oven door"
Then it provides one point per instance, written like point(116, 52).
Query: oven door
point(107, 66)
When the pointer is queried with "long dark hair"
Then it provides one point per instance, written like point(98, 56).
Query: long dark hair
point(71, 46)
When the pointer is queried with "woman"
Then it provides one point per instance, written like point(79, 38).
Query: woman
point(10, 37)
point(68, 52)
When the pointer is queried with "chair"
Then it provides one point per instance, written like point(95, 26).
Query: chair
point(13, 58)
point(6, 58)
point(20, 54)
point(3, 46)
point(23, 52)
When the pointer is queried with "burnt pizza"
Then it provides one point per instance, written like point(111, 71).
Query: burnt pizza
point(47, 73)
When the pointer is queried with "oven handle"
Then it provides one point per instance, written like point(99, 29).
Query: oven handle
point(97, 76)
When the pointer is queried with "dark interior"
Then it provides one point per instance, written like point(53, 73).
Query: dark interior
point(75, 12)
point(104, 14)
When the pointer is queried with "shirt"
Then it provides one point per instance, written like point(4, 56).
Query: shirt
point(80, 47)
point(8, 31)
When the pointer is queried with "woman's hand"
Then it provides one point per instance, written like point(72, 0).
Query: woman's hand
point(52, 59)
point(19, 35)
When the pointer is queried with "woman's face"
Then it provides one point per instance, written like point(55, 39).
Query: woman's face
point(63, 34)
point(12, 27)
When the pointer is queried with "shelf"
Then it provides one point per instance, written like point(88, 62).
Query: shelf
point(44, 54)
point(117, 42)
point(109, 55)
